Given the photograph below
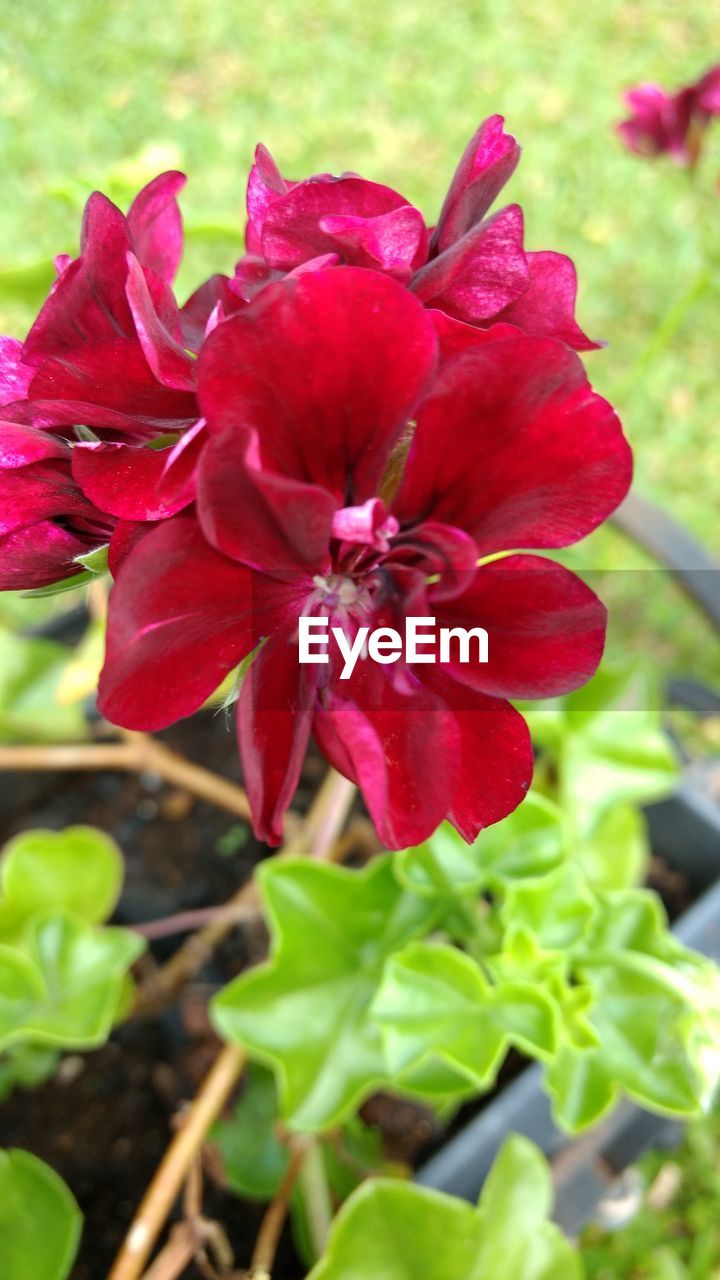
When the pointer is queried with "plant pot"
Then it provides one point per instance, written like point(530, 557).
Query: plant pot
point(686, 831)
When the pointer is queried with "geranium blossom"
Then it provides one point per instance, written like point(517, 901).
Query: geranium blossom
point(470, 266)
point(671, 123)
point(45, 519)
point(110, 354)
point(365, 457)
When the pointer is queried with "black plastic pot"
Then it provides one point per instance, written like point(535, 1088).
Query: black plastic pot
point(686, 831)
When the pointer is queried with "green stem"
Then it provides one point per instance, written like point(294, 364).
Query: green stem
point(460, 908)
point(313, 1184)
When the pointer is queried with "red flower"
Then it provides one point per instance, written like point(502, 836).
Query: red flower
point(363, 455)
point(108, 349)
point(671, 123)
point(45, 520)
point(473, 268)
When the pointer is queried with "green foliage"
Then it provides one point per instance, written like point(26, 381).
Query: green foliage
point(586, 980)
point(96, 561)
point(528, 842)
point(40, 1222)
point(31, 670)
point(79, 869)
point(397, 1231)
point(435, 995)
point(676, 1233)
point(606, 744)
point(25, 1066)
point(63, 977)
point(305, 1012)
point(254, 1156)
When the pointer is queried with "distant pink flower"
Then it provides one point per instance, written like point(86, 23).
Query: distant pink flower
point(472, 267)
point(671, 123)
point(363, 455)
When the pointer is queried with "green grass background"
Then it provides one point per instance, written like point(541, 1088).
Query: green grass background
point(105, 95)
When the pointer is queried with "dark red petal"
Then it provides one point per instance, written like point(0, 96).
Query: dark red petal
point(155, 224)
point(455, 338)
point(546, 628)
point(250, 276)
point(32, 493)
point(157, 323)
point(179, 620)
point(496, 759)
point(394, 242)
point(20, 445)
point(402, 749)
point(487, 163)
point(259, 517)
point(480, 275)
point(265, 185)
point(37, 555)
point(125, 536)
point(178, 483)
point(196, 312)
point(291, 230)
point(547, 307)
point(88, 300)
point(15, 376)
point(273, 720)
point(328, 368)
point(514, 447)
point(124, 480)
point(107, 384)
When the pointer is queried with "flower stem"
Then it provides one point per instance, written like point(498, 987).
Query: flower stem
point(176, 1163)
point(271, 1227)
point(322, 823)
point(313, 1183)
point(136, 753)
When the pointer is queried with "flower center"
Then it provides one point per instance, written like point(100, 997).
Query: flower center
point(338, 591)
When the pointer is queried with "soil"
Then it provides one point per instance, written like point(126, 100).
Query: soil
point(104, 1122)
point(106, 1118)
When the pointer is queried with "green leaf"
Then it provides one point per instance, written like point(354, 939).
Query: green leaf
point(607, 743)
point(391, 1230)
point(40, 1222)
point(65, 984)
point(305, 1012)
point(25, 1066)
point(435, 1002)
point(96, 561)
point(254, 1158)
point(444, 864)
point(527, 843)
point(30, 672)
point(79, 869)
point(556, 908)
point(658, 1030)
point(530, 842)
point(615, 852)
point(59, 588)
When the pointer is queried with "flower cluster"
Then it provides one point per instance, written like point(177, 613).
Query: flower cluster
point(364, 423)
point(671, 123)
